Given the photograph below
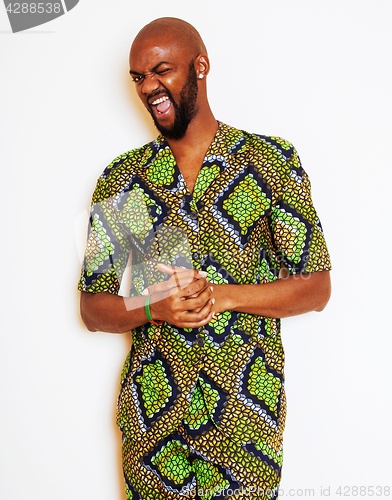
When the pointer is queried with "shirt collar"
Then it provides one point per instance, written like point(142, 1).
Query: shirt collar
point(227, 141)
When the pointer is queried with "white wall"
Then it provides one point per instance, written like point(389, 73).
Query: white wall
point(317, 73)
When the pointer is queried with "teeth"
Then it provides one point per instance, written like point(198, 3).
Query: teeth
point(161, 99)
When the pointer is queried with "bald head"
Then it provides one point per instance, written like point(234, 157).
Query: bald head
point(177, 31)
point(168, 63)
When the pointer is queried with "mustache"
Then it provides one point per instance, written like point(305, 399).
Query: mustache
point(162, 90)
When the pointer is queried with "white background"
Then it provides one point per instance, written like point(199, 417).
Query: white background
point(316, 73)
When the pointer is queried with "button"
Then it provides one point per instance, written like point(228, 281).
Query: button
point(194, 215)
point(199, 342)
point(195, 256)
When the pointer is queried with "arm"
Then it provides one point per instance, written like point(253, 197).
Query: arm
point(282, 298)
point(106, 312)
point(184, 300)
point(288, 296)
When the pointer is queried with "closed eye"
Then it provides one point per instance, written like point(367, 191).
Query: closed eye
point(137, 78)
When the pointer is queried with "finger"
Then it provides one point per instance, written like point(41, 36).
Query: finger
point(177, 281)
point(199, 324)
point(197, 294)
point(174, 269)
point(208, 308)
point(175, 311)
point(198, 303)
point(196, 288)
point(193, 316)
point(193, 320)
point(158, 287)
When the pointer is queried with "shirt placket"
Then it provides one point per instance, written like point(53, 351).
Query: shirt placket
point(193, 213)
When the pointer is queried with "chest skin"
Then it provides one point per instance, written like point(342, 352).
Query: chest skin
point(190, 166)
point(190, 162)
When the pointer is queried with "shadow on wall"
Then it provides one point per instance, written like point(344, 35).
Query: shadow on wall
point(127, 337)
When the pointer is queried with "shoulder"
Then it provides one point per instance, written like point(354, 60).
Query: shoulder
point(275, 146)
point(277, 158)
point(241, 141)
point(271, 158)
point(120, 171)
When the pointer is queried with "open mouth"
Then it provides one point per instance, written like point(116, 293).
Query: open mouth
point(161, 105)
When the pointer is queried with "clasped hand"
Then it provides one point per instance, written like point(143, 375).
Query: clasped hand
point(184, 300)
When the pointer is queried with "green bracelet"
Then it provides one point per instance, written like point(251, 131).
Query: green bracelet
point(147, 308)
point(148, 312)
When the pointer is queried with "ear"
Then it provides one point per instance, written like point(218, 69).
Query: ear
point(202, 66)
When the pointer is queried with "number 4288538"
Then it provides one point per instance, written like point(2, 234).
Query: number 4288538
point(363, 491)
point(34, 8)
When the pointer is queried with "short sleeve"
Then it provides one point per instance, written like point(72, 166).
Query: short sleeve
point(108, 245)
point(296, 228)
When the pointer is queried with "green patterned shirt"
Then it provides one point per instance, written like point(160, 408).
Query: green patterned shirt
point(250, 211)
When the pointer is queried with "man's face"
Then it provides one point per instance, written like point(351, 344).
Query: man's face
point(184, 110)
point(166, 82)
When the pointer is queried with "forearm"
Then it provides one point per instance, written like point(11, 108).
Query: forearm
point(106, 312)
point(188, 305)
point(282, 298)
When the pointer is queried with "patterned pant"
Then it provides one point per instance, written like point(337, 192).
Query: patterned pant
point(183, 466)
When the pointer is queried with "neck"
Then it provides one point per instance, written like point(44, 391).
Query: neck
point(198, 137)
point(189, 152)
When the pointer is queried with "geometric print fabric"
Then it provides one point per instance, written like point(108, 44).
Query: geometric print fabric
point(175, 469)
point(222, 385)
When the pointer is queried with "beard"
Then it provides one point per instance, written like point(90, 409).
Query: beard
point(184, 111)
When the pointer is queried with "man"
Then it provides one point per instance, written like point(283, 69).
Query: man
point(223, 241)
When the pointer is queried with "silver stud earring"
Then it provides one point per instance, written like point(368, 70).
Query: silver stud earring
point(201, 76)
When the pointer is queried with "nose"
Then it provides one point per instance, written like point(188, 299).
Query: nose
point(149, 84)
